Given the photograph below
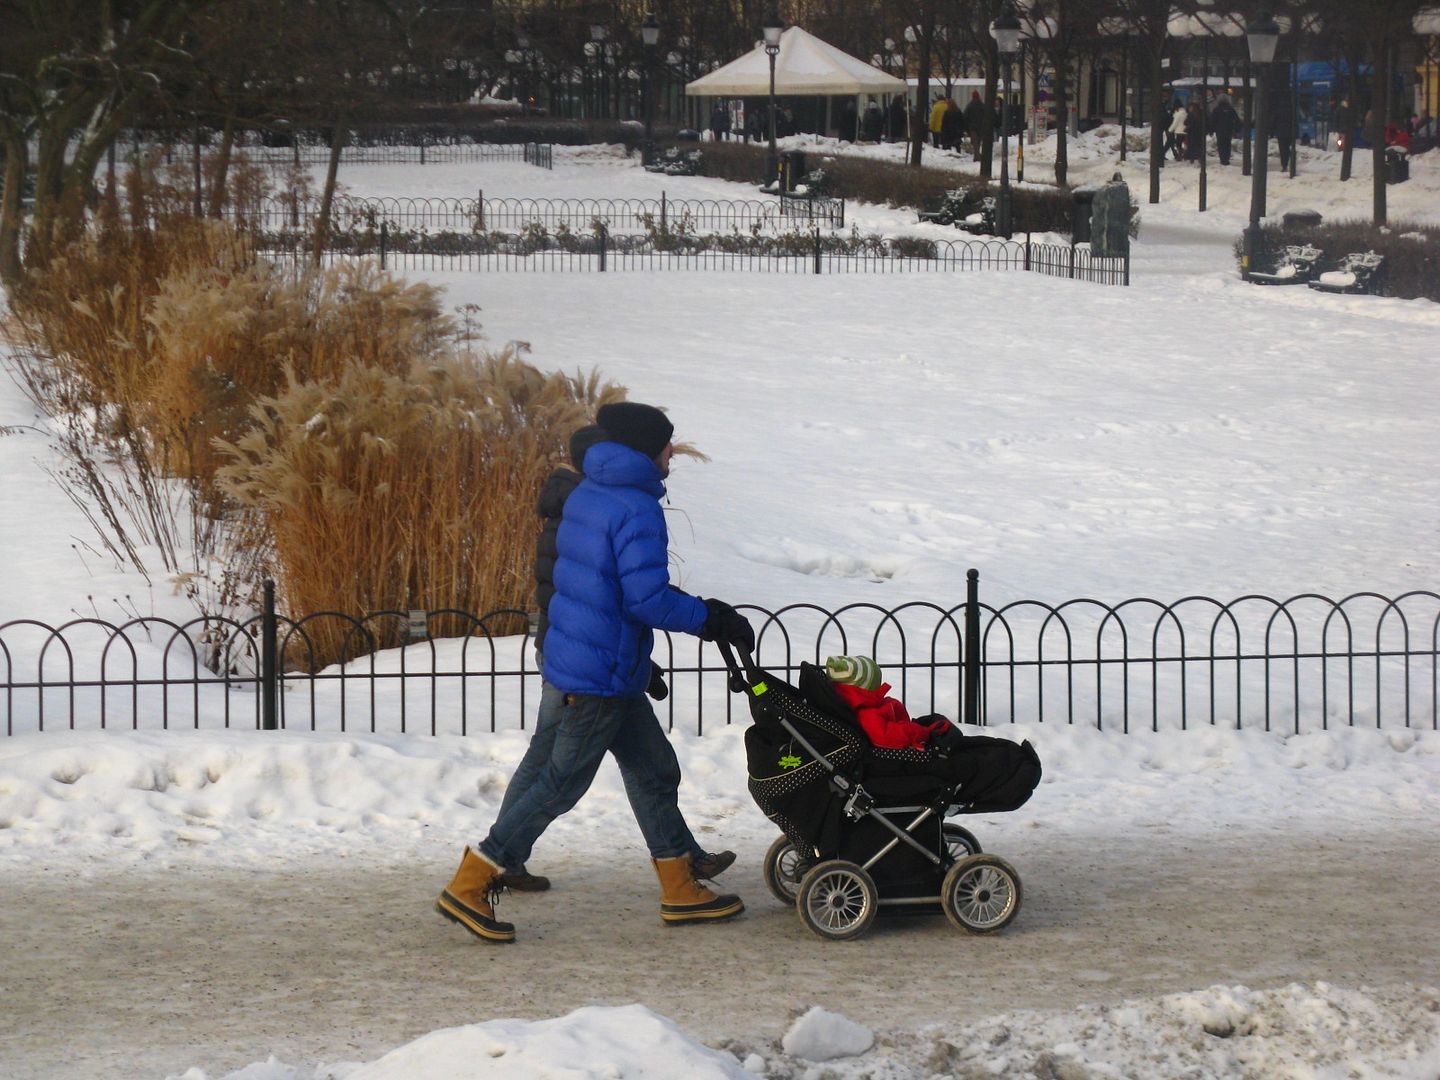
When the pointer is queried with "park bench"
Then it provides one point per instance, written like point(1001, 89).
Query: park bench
point(967, 210)
point(675, 162)
point(1297, 265)
point(1358, 272)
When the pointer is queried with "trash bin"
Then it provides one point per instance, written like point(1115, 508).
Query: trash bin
point(792, 168)
point(1301, 219)
point(1082, 203)
point(1397, 165)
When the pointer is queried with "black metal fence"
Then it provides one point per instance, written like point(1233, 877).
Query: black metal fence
point(1301, 664)
point(598, 251)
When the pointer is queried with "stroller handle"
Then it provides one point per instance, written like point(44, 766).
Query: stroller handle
point(743, 672)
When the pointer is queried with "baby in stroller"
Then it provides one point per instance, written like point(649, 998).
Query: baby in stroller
point(995, 773)
point(861, 791)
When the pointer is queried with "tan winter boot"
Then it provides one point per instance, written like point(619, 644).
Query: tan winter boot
point(683, 899)
point(469, 898)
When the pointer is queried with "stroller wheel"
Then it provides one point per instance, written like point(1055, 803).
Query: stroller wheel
point(981, 894)
point(960, 842)
point(783, 870)
point(837, 900)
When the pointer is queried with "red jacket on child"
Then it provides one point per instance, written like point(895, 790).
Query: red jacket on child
point(885, 719)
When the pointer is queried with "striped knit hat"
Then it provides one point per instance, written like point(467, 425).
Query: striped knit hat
point(859, 671)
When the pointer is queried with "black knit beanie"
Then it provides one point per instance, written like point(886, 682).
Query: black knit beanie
point(640, 427)
point(582, 440)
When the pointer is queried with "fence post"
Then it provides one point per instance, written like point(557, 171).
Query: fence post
point(1027, 249)
point(1072, 260)
point(269, 680)
point(663, 211)
point(422, 148)
point(1127, 264)
point(603, 234)
point(972, 647)
point(384, 235)
point(817, 249)
point(480, 207)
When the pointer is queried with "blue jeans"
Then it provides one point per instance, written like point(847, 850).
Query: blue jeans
point(573, 732)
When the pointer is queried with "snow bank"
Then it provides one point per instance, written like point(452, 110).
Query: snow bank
point(1301, 1032)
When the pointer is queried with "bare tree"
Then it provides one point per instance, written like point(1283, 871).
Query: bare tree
point(72, 74)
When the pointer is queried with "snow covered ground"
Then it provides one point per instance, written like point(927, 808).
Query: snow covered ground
point(1207, 903)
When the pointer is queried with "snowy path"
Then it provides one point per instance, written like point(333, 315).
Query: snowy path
point(144, 973)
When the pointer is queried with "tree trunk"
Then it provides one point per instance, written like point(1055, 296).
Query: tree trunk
point(222, 168)
point(17, 160)
point(327, 197)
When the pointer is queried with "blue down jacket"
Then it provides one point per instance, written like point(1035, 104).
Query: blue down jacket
point(612, 579)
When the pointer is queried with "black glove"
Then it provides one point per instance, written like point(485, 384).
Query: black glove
point(657, 688)
point(724, 623)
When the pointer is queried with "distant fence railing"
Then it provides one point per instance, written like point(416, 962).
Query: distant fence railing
point(1306, 663)
point(484, 214)
point(599, 251)
point(378, 153)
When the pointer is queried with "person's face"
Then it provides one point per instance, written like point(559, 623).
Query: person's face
point(662, 459)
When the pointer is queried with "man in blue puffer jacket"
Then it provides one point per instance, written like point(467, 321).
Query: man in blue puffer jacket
point(612, 591)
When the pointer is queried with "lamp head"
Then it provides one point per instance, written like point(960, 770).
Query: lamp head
point(1006, 30)
point(650, 29)
point(773, 28)
point(1261, 36)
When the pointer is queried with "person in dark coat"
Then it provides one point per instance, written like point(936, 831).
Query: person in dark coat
point(1223, 121)
point(849, 121)
point(1194, 133)
point(952, 126)
point(1345, 118)
point(720, 122)
point(612, 591)
point(975, 122)
point(872, 121)
point(1282, 120)
point(895, 117)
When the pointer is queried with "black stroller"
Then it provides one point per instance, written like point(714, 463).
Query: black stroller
point(864, 826)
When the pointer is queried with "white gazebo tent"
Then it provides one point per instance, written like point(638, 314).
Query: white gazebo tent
point(804, 67)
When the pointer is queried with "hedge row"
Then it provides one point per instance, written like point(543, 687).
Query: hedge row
point(890, 183)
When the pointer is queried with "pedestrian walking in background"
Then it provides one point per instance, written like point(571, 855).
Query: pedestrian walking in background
point(952, 126)
point(1282, 123)
point(1175, 132)
point(1223, 121)
point(937, 121)
point(1194, 133)
point(896, 119)
point(720, 122)
point(975, 122)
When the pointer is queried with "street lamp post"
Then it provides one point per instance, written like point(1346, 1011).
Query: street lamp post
point(1006, 32)
point(650, 35)
point(1260, 36)
point(772, 29)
